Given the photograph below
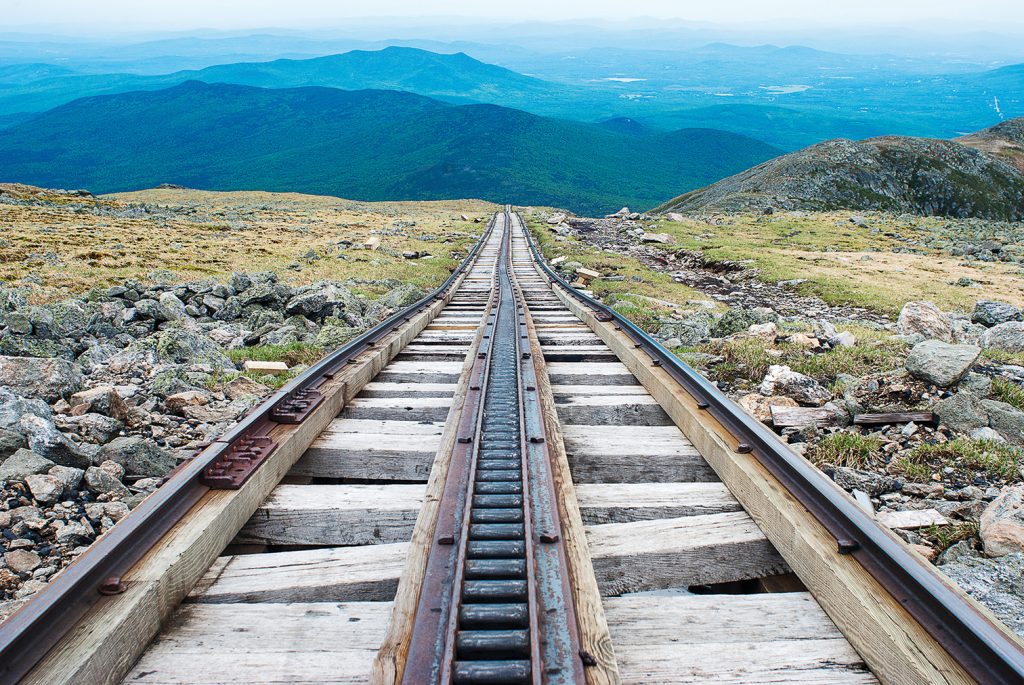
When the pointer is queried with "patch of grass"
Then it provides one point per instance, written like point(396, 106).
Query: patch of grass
point(744, 359)
point(843, 449)
point(1015, 358)
point(198, 234)
point(862, 359)
point(1009, 392)
point(946, 536)
point(291, 354)
point(992, 460)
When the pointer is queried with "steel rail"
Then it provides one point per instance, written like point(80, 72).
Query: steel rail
point(29, 634)
point(985, 650)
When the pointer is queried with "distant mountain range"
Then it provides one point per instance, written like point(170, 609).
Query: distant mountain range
point(365, 144)
point(980, 175)
point(788, 97)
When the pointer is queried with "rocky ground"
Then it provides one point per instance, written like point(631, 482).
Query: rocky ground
point(102, 394)
point(950, 483)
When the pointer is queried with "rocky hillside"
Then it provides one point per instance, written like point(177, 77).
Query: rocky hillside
point(981, 175)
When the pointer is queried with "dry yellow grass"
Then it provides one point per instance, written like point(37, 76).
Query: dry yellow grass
point(64, 249)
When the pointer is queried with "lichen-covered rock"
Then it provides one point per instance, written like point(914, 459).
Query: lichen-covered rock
point(1006, 419)
point(1008, 337)
point(736, 320)
point(22, 464)
point(13, 408)
point(963, 412)
point(44, 439)
point(179, 345)
point(138, 456)
point(35, 378)
point(402, 296)
point(940, 363)
point(992, 313)
point(996, 583)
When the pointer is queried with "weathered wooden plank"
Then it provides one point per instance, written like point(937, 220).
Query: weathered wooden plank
point(382, 452)
point(375, 389)
point(587, 373)
point(559, 391)
point(612, 410)
point(621, 503)
point(334, 515)
point(420, 372)
point(895, 417)
point(802, 417)
point(398, 408)
point(622, 454)
point(367, 573)
point(277, 644)
point(679, 552)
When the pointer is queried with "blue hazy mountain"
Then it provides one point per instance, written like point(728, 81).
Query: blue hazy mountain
point(365, 144)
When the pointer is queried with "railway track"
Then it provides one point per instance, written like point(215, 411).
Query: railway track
point(505, 483)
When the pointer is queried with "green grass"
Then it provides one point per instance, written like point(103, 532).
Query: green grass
point(1009, 392)
point(992, 460)
point(291, 354)
point(843, 449)
point(1016, 358)
point(944, 537)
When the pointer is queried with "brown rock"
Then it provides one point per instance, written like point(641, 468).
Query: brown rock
point(926, 319)
point(101, 400)
point(244, 387)
point(22, 561)
point(760, 407)
point(1002, 523)
point(190, 398)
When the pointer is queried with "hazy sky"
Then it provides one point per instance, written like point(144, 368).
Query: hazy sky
point(189, 14)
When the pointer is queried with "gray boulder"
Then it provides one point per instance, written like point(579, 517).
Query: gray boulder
point(22, 464)
point(940, 363)
point(333, 336)
point(1006, 419)
point(1008, 337)
point(44, 439)
point(924, 318)
point(402, 296)
point(13, 408)
point(173, 308)
point(1002, 523)
point(177, 344)
point(689, 331)
point(10, 442)
point(36, 378)
point(963, 412)
point(139, 457)
point(992, 313)
point(101, 481)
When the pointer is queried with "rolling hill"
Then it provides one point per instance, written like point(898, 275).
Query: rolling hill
point(981, 176)
point(367, 144)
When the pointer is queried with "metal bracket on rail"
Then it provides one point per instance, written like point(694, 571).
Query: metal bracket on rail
point(296, 406)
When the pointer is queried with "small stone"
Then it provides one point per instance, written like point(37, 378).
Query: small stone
point(760, 407)
point(113, 468)
point(781, 380)
point(1006, 420)
point(265, 368)
point(911, 519)
point(986, 433)
point(804, 340)
point(75, 533)
point(663, 238)
point(963, 412)
point(244, 387)
point(45, 488)
point(768, 330)
point(844, 339)
point(102, 400)
point(874, 484)
point(100, 481)
point(44, 439)
point(22, 561)
point(138, 456)
point(69, 477)
point(179, 401)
